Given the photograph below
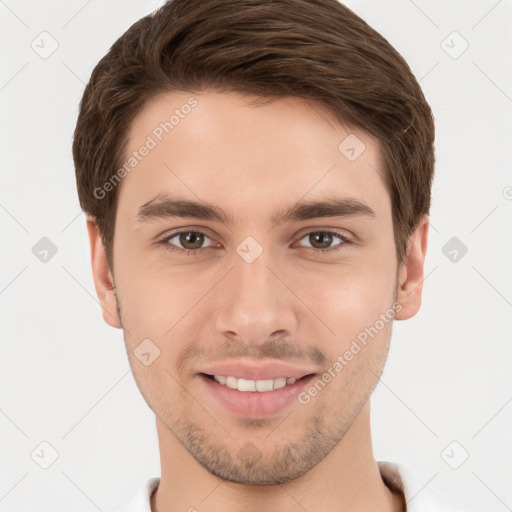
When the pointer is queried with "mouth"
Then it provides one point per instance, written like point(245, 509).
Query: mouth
point(246, 398)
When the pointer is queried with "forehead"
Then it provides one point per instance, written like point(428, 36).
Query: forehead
point(222, 147)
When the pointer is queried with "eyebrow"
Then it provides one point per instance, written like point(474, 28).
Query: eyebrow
point(163, 206)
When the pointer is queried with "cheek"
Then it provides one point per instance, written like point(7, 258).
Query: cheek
point(356, 303)
point(151, 303)
point(348, 298)
point(361, 314)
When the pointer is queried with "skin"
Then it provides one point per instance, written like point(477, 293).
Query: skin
point(293, 303)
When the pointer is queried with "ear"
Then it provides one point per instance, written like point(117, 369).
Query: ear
point(103, 279)
point(411, 273)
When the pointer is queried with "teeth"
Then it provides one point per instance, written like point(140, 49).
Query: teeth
point(254, 385)
point(246, 385)
point(279, 383)
point(232, 382)
point(264, 385)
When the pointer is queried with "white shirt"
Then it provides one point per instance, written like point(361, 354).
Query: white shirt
point(396, 477)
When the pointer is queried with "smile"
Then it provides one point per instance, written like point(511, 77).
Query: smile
point(253, 385)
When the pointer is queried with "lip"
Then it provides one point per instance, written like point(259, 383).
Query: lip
point(257, 370)
point(255, 404)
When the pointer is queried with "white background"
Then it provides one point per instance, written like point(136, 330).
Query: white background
point(64, 374)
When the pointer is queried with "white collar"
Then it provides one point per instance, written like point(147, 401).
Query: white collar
point(418, 497)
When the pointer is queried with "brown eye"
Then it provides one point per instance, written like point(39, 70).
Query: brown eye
point(188, 242)
point(323, 240)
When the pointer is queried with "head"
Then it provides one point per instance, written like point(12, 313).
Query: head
point(258, 109)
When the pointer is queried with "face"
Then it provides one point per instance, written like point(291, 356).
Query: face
point(256, 278)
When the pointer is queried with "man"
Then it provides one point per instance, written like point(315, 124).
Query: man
point(257, 181)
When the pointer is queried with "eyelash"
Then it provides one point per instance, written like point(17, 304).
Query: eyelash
point(169, 247)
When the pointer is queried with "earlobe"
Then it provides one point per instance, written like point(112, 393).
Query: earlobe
point(411, 273)
point(103, 280)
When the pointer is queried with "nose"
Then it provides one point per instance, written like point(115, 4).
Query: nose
point(254, 303)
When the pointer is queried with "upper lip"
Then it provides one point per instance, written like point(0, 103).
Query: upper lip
point(262, 370)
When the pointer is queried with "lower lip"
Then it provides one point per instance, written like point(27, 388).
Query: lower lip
point(255, 404)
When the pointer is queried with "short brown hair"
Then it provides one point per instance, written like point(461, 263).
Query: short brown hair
point(313, 49)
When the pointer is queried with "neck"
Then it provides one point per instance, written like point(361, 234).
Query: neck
point(348, 479)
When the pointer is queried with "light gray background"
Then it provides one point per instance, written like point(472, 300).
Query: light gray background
point(64, 374)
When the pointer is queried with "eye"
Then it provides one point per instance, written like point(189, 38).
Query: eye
point(322, 240)
point(191, 241)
